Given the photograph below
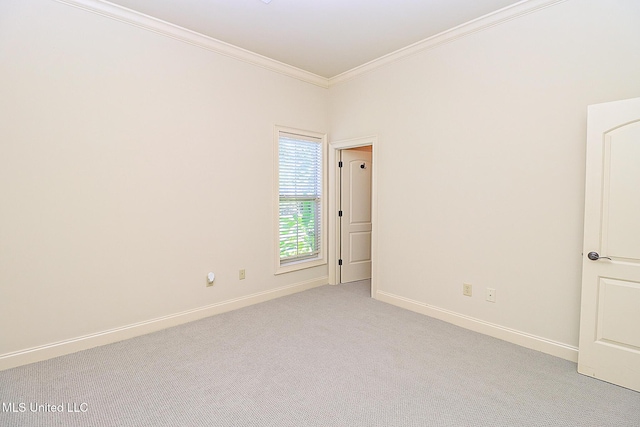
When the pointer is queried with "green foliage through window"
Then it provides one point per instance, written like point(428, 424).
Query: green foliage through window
point(300, 191)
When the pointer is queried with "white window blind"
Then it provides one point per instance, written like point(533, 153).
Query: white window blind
point(300, 197)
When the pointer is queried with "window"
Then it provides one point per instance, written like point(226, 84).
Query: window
point(300, 184)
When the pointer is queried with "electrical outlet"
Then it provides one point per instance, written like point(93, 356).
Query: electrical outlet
point(241, 274)
point(491, 295)
point(210, 278)
point(466, 289)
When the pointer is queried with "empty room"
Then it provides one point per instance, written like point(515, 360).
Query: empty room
point(320, 213)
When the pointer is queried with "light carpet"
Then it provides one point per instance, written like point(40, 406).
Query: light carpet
point(330, 356)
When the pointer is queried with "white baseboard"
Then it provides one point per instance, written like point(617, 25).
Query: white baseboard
point(48, 351)
point(523, 339)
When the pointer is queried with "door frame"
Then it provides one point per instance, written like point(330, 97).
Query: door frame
point(334, 201)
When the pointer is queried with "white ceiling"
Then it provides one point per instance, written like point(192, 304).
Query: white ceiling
point(324, 37)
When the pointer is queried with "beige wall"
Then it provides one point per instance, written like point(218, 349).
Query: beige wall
point(131, 165)
point(481, 155)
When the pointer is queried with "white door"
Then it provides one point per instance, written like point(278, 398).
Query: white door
point(355, 222)
point(610, 317)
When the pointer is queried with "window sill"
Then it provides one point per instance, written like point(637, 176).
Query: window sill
point(300, 265)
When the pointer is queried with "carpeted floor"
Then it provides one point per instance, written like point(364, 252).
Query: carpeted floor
point(330, 356)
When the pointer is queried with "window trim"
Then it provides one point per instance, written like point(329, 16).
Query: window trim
point(321, 259)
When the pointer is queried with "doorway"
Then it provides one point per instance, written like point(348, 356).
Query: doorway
point(354, 214)
point(335, 151)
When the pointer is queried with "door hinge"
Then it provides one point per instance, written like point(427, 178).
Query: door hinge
point(339, 262)
point(339, 213)
point(340, 164)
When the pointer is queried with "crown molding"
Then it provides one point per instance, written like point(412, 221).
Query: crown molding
point(498, 17)
point(140, 20)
